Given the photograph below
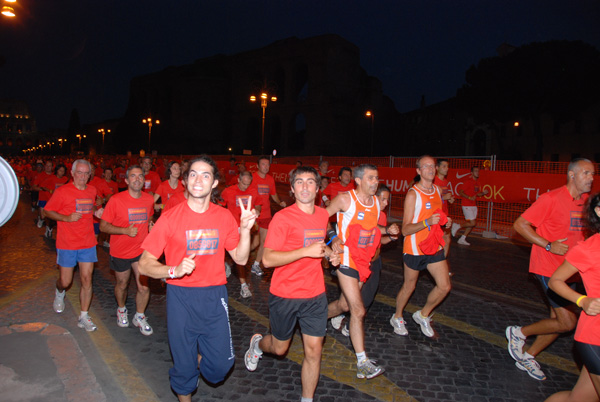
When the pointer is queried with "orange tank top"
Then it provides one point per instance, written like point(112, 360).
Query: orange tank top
point(425, 205)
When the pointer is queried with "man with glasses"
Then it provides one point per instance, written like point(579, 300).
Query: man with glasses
point(72, 206)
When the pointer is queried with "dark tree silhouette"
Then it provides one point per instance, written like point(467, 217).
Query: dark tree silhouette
point(559, 78)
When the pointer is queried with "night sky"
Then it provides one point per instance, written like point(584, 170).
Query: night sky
point(65, 54)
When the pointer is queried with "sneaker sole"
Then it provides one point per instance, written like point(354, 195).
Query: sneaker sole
point(510, 351)
point(249, 353)
point(88, 330)
point(141, 330)
point(368, 377)
point(523, 368)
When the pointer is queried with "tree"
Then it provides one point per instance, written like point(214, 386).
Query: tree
point(559, 78)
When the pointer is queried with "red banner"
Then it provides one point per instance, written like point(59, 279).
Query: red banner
point(503, 187)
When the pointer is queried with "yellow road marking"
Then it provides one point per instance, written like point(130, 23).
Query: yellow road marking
point(338, 363)
point(133, 386)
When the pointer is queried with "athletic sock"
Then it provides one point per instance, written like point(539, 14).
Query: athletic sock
point(303, 399)
point(139, 315)
point(361, 356)
point(83, 314)
point(122, 309)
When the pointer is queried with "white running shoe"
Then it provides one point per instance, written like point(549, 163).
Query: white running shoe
point(122, 319)
point(455, 229)
point(463, 241)
point(425, 323)
point(251, 358)
point(245, 291)
point(142, 324)
point(368, 369)
point(532, 367)
point(86, 323)
point(515, 343)
point(256, 270)
point(336, 322)
point(59, 302)
point(227, 270)
point(399, 325)
point(40, 223)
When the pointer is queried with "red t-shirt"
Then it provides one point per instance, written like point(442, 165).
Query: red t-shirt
point(101, 186)
point(181, 232)
point(52, 183)
point(332, 190)
point(113, 186)
point(151, 181)
point(66, 200)
point(233, 196)
point(176, 199)
point(443, 185)
point(555, 215)
point(470, 187)
point(265, 188)
point(120, 175)
point(39, 179)
point(122, 210)
point(585, 257)
point(166, 191)
point(291, 229)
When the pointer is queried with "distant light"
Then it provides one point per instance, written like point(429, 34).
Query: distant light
point(10, 1)
point(516, 124)
point(252, 98)
point(369, 113)
point(8, 11)
point(274, 99)
point(263, 95)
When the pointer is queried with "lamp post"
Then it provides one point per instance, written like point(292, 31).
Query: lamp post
point(149, 122)
point(79, 136)
point(102, 131)
point(371, 115)
point(264, 96)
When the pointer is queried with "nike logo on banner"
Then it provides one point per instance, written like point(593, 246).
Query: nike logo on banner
point(460, 176)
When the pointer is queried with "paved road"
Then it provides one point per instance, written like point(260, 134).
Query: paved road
point(46, 357)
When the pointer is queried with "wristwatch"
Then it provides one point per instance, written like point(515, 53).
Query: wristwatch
point(548, 246)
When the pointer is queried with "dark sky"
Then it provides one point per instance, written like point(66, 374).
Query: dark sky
point(65, 54)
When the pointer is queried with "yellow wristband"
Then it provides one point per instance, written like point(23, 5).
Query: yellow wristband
point(424, 224)
point(578, 300)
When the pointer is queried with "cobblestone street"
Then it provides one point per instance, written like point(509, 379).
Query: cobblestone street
point(46, 357)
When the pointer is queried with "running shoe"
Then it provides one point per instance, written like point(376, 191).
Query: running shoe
point(142, 324)
point(40, 223)
point(106, 244)
point(48, 233)
point(399, 325)
point(122, 319)
point(256, 270)
point(463, 241)
point(425, 323)
point(368, 369)
point(227, 270)
point(245, 291)
point(336, 322)
point(251, 358)
point(532, 367)
point(86, 323)
point(515, 343)
point(345, 330)
point(59, 302)
point(455, 229)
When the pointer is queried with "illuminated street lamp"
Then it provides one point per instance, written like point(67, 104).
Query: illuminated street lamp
point(8, 11)
point(264, 96)
point(102, 131)
point(80, 137)
point(60, 141)
point(371, 115)
point(149, 122)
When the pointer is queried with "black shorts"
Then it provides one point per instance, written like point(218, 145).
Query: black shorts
point(590, 356)
point(122, 264)
point(310, 313)
point(554, 299)
point(420, 262)
point(351, 272)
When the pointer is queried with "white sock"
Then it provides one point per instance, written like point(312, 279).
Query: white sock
point(463, 237)
point(361, 356)
point(122, 309)
point(139, 315)
point(303, 399)
point(83, 314)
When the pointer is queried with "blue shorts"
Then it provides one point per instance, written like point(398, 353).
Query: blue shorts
point(310, 313)
point(198, 323)
point(96, 228)
point(554, 299)
point(42, 204)
point(70, 258)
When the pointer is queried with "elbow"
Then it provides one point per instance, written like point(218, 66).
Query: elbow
point(266, 260)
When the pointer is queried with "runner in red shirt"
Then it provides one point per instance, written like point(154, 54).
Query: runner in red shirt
point(294, 247)
point(43, 195)
point(72, 206)
point(104, 194)
point(583, 259)
point(39, 168)
point(126, 218)
point(232, 197)
point(152, 178)
point(557, 219)
point(193, 237)
point(171, 186)
point(265, 186)
point(49, 185)
point(441, 180)
point(469, 191)
point(120, 174)
point(112, 185)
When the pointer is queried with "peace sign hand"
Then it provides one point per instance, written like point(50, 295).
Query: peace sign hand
point(248, 216)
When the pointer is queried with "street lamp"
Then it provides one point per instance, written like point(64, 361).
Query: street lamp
point(102, 131)
point(149, 122)
point(264, 96)
point(80, 137)
point(371, 115)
